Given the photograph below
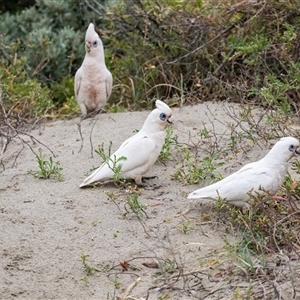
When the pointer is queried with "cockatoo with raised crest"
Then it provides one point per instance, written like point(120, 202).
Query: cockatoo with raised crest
point(139, 151)
point(93, 81)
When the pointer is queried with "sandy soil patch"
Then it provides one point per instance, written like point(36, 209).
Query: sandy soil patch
point(47, 226)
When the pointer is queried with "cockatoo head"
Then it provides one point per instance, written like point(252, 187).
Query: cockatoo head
point(285, 149)
point(93, 44)
point(159, 118)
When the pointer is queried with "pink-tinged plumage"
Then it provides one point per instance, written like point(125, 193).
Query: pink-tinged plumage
point(93, 81)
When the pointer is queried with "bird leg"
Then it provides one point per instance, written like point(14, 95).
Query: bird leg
point(81, 137)
point(93, 113)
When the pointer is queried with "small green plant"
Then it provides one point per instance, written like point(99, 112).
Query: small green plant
point(296, 166)
point(242, 255)
point(185, 226)
point(47, 168)
point(236, 138)
point(170, 141)
point(133, 205)
point(290, 185)
point(113, 162)
point(219, 203)
point(193, 171)
point(85, 280)
point(83, 258)
point(204, 133)
point(115, 281)
point(87, 269)
point(233, 143)
point(167, 266)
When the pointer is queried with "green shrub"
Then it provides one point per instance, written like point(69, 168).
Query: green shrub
point(199, 50)
point(22, 96)
point(187, 51)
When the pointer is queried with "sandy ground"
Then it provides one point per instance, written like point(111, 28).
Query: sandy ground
point(47, 225)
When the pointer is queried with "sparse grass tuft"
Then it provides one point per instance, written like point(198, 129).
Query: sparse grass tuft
point(185, 226)
point(47, 168)
point(133, 205)
point(165, 267)
point(244, 257)
point(219, 204)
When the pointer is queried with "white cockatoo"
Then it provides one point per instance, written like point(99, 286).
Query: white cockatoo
point(93, 81)
point(140, 151)
point(266, 174)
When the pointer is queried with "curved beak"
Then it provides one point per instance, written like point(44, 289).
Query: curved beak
point(88, 46)
point(297, 152)
point(170, 120)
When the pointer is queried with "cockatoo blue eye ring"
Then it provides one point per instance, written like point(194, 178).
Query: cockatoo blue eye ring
point(163, 116)
point(95, 44)
point(292, 149)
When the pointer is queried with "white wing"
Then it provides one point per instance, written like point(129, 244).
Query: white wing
point(77, 81)
point(236, 186)
point(137, 153)
point(109, 82)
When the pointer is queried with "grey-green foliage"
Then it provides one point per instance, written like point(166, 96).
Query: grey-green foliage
point(55, 60)
point(50, 35)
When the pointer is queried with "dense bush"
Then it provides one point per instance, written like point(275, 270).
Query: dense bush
point(185, 51)
point(200, 50)
point(22, 99)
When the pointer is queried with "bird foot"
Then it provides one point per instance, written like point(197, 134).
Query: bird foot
point(148, 178)
point(149, 187)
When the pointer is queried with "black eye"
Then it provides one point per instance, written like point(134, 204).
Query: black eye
point(95, 44)
point(163, 116)
point(292, 148)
